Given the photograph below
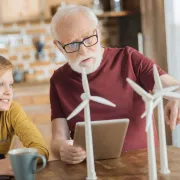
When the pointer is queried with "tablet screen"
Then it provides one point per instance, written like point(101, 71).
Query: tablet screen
point(108, 137)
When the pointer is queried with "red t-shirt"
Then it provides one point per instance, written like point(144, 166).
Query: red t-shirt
point(108, 81)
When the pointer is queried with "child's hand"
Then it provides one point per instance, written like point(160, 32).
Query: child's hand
point(5, 167)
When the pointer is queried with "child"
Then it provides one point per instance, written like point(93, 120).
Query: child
point(13, 120)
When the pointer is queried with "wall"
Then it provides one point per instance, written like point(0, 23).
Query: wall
point(154, 38)
point(172, 15)
point(28, 9)
point(31, 9)
point(50, 3)
point(16, 44)
point(153, 27)
point(16, 39)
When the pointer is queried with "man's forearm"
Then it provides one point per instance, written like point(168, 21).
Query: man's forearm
point(60, 134)
point(56, 145)
point(168, 80)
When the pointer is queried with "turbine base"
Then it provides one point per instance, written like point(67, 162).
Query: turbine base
point(164, 171)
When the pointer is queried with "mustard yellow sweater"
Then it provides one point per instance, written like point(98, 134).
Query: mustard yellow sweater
point(16, 122)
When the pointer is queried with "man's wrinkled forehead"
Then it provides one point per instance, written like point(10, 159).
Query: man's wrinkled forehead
point(75, 29)
point(79, 37)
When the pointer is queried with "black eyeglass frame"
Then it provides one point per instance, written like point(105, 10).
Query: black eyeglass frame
point(79, 43)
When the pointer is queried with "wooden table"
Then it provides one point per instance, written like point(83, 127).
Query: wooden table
point(131, 166)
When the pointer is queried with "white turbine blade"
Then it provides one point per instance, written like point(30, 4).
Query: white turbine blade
point(164, 91)
point(138, 89)
point(149, 110)
point(172, 95)
point(78, 109)
point(143, 115)
point(102, 101)
point(158, 84)
point(85, 81)
point(171, 88)
point(155, 103)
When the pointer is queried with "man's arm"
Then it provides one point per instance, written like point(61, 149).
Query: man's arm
point(143, 69)
point(60, 143)
point(172, 108)
point(60, 134)
point(168, 80)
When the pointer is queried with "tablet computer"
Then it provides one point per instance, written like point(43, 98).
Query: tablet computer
point(108, 137)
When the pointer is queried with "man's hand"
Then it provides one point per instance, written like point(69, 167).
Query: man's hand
point(172, 113)
point(71, 154)
point(5, 167)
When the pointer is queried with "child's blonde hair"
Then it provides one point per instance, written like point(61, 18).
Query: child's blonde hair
point(5, 64)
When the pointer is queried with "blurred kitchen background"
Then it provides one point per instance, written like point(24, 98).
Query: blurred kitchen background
point(150, 26)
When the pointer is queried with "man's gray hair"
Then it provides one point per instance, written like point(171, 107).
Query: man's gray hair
point(70, 10)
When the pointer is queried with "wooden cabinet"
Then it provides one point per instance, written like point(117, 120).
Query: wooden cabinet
point(12, 11)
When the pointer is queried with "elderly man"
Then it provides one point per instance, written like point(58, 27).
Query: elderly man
point(76, 34)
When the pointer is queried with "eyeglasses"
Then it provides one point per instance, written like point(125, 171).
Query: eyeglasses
point(75, 46)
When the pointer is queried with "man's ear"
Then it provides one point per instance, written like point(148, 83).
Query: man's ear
point(98, 31)
point(98, 28)
point(57, 45)
point(54, 42)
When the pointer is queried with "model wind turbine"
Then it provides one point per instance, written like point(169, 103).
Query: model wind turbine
point(86, 97)
point(148, 99)
point(151, 101)
point(158, 89)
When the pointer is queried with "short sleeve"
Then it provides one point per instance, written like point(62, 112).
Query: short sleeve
point(56, 110)
point(143, 69)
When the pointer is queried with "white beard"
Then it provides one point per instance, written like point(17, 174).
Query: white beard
point(94, 66)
